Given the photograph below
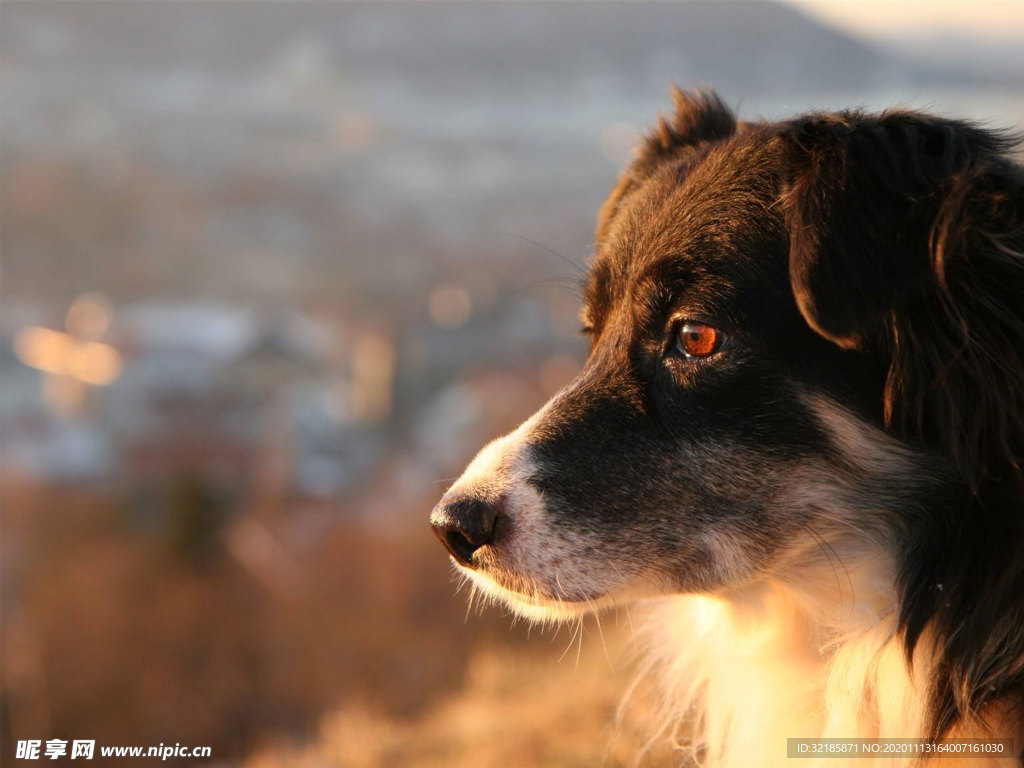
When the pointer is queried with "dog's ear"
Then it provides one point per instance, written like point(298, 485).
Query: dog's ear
point(699, 117)
point(907, 236)
point(863, 198)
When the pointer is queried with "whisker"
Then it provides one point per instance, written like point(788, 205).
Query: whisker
point(600, 632)
point(550, 282)
point(578, 267)
point(571, 643)
point(833, 558)
point(579, 647)
point(469, 604)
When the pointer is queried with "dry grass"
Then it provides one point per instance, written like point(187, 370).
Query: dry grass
point(116, 632)
point(530, 709)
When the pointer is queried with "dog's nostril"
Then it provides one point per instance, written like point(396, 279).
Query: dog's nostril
point(460, 547)
point(464, 524)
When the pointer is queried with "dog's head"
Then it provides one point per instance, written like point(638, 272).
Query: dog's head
point(786, 323)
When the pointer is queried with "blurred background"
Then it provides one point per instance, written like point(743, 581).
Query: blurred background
point(271, 273)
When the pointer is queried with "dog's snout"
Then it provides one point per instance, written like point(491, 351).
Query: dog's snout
point(464, 524)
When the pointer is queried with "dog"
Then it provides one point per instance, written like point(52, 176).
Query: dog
point(797, 438)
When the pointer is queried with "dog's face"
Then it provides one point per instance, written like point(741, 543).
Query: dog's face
point(716, 430)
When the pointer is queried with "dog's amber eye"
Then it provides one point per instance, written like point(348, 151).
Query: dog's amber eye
point(698, 339)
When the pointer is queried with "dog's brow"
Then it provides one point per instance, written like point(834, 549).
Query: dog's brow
point(667, 272)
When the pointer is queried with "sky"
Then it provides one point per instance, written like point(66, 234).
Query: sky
point(995, 19)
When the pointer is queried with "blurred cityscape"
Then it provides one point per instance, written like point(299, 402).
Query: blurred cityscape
point(272, 272)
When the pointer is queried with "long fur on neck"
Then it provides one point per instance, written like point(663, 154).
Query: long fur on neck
point(821, 657)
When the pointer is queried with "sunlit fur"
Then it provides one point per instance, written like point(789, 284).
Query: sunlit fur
point(823, 521)
point(814, 651)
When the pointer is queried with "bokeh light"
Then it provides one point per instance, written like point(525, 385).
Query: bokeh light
point(450, 306)
point(89, 316)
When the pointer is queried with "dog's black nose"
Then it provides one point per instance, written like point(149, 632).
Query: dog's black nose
point(464, 524)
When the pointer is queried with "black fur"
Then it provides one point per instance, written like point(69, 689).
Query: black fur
point(907, 239)
point(907, 233)
point(873, 262)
